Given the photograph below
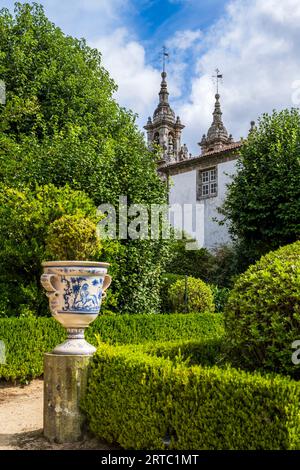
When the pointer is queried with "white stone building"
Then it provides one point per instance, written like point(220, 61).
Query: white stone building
point(199, 182)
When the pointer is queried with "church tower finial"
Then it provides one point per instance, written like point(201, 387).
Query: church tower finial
point(163, 94)
point(217, 135)
point(164, 129)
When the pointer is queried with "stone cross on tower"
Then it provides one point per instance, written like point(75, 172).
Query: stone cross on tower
point(217, 79)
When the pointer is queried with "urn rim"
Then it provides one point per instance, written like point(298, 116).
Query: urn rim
point(98, 264)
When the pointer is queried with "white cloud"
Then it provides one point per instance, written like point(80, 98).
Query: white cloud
point(184, 39)
point(124, 58)
point(255, 47)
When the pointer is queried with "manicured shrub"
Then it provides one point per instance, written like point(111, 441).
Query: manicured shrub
point(27, 339)
point(204, 351)
point(72, 237)
point(191, 295)
point(143, 401)
point(262, 315)
point(124, 329)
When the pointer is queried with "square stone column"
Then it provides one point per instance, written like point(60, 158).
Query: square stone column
point(65, 382)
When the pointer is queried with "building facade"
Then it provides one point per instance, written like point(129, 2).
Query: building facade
point(198, 184)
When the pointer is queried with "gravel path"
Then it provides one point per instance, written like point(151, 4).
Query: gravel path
point(21, 421)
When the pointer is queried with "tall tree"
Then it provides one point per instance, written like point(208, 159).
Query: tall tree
point(61, 125)
point(263, 200)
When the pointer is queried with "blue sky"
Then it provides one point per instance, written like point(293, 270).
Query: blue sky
point(253, 42)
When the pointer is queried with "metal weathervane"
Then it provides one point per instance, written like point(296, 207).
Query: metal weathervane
point(164, 55)
point(217, 79)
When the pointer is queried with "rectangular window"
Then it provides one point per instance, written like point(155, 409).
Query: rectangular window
point(207, 183)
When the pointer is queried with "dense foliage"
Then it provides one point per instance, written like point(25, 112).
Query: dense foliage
point(262, 315)
point(263, 201)
point(191, 295)
point(143, 401)
point(27, 339)
point(219, 266)
point(25, 218)
point(220, 295)
point(167, 279)
point(62, 126)
point(185, 262)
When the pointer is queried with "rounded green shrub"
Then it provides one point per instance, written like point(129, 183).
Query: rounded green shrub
point(262, 315)
point(191, 295)
point(72, 237)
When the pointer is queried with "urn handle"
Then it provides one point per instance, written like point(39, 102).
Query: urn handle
point(106, 284)
point(51, 291)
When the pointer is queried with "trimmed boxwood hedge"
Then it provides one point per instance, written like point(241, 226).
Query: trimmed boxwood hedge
point(262, 315)
point(27, 339)
point(147, 402)
point(204, 351)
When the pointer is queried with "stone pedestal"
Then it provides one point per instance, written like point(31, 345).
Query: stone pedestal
point(65, 381)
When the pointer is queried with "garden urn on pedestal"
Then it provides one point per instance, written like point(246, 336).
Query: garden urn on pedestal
point(75, 290)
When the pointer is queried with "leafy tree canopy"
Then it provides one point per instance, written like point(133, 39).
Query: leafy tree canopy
point(263, 201)
point(62, 126)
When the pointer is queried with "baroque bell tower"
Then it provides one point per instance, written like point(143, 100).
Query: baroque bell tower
point(163, 129)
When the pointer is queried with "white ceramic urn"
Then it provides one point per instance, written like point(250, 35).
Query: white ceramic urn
point(75, 290)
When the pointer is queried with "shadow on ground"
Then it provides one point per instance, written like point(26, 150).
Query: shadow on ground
point(34, 440)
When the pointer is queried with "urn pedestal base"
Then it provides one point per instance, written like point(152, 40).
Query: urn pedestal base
point(65, 382)
point(75, 344)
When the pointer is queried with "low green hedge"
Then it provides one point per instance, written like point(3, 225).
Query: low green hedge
point(27, 339)
point(148, 402)
point(205, 351)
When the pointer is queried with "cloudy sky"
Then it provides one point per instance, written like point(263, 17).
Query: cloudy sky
point(253, 42)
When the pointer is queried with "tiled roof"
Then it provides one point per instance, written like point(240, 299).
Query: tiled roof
point(234, 145)
point(213, 153)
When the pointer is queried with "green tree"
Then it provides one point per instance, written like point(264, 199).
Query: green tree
point(54, 82)
point(62, 126)
point(25, 219)
point(263, 200)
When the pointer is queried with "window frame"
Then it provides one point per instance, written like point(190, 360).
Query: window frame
point(208, 182)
